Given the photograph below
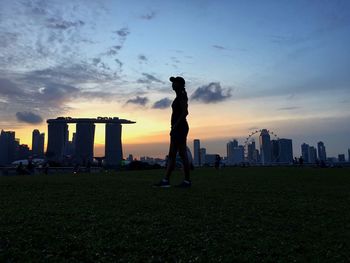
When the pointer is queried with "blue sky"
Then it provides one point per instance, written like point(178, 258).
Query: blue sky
point(283, 65)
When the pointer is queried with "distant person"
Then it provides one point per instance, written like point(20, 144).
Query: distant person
point(46, 168)
point(217, 161)
point(301, 161)
point(30, 166)
point(20, 169)
point(178, 134)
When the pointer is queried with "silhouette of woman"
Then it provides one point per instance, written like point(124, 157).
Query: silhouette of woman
point(178, 134)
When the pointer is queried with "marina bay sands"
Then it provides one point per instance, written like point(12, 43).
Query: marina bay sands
point(83, 139)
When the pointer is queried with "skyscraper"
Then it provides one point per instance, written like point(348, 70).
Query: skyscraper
point(238, 155)
point(84, 144)
point(312, 154)
point(349, 155)
point(322, 156)
point(275, 151)
point(341, 158)
point(252, 156)
point(38, 143)
point(203, 153)
point(230, 151)
point(113, 147)
point(196, 152)
point(265, 147)
point(305, 152)
point(285, 151)
point(57, 138)
point(7, 147)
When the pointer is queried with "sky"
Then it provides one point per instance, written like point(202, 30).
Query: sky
point(248, 65)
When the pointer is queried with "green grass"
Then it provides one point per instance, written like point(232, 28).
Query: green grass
point(234, 214)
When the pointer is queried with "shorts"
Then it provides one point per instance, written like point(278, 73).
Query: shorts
point(179, 135)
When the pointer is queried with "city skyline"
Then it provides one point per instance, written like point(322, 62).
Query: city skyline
point(247, 66)
point(80, 149)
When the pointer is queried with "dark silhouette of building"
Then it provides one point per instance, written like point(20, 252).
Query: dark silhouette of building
point(252, 152)
point(265, 147)
point(23, 152)
point(38, 140)
point(230, 149)
point(7, 147)
point(305, 152)
point(275, 151)
point(84, 144)
point(285, 151)
point(312, 154)
point(57, 140)
point(322, 156)
point(341, 158)
point(349, 155)
point(113, 147)
point(83, 139)
point(196, 152)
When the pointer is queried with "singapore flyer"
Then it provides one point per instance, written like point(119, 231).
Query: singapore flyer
point(267, 150)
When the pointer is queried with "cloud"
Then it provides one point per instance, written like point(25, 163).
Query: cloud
point(63, 24)
point(211, 93)
point(138, 100)
point(148, 78)
point(149, 16)
point(79, 72)
point(123, 32)
point(29, 117)
point(288, 108)
point(162, 104)
point(112, 51)
point(118, 62)
point(56, 94)
point(9, 88)
point(142, 58)
point(219, 47)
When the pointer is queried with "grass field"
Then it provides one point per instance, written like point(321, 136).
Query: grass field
point(230, 215)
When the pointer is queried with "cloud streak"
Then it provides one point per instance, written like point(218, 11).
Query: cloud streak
point(138, 101)
point(148, 79)
point(162, 104)
point(149, 16)
point(29, 117)
point(211, 93)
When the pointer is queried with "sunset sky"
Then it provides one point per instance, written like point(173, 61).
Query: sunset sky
point(280, 65)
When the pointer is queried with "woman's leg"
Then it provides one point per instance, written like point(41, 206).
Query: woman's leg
point(184, 157)
point(171, 159)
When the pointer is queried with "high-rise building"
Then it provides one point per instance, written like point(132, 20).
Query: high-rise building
point(312, 154)
point(7, 147)
point(349, 155)
point(231, 145)
point(238, 155)
point(196, 152)
point(84, 143)
point(23, 152)
point(113, 147)
point(285, 151)
point(322, 156)
point(203, 154)
point(275, 151)
point(57, 139)
point(38, 143)
point(305, 152)
point(341, 158)
point(252, 156)
point(265, 147)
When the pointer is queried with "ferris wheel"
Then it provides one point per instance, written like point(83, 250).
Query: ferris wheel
point(253, 137)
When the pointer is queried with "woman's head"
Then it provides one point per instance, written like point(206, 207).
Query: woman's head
point(178, 83)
